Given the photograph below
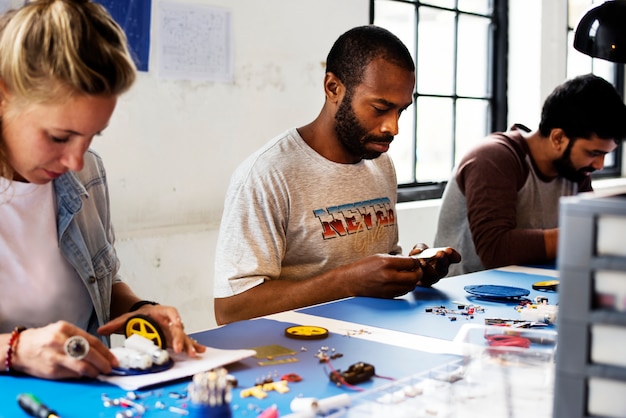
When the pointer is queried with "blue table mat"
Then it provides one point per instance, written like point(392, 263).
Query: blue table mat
point(83, 398)
point(408, 313)
point(389, 362)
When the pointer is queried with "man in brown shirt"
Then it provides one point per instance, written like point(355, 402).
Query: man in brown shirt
point(501, 204)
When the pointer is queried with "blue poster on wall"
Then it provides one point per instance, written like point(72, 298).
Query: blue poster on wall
point(134, 17)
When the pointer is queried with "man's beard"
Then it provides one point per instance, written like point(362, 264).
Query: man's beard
point(566, 169)
point(352, 135)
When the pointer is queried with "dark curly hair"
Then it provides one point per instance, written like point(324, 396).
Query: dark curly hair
point(356, 48)
point(584, 106)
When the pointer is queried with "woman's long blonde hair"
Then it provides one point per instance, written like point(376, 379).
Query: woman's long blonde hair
point(51, 50)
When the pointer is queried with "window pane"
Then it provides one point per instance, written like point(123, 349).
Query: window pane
point(577, 62)
point(402, 149)
point(609, 160)
point(473, 56)
point(398, 18)
point(475, 6)
point(440, 3)
point(434, 138)
point(472, 124)
point(435, 53)
point(453, 42)
point(575, 10)
point(605, 69)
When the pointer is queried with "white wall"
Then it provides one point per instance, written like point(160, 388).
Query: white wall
point(182, 139)
point(172, 145)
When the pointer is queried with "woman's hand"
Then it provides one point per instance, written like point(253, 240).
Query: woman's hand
point(41, 352)
point(168, 319)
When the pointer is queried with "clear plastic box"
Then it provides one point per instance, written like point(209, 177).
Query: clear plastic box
point(494, 377)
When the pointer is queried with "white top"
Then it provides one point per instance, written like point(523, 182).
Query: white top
point(37, 285)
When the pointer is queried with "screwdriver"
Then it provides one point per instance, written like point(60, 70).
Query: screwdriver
point(33, 406)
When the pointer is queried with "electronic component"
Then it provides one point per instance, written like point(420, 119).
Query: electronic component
point(306, 332)
point(268, 355)
point(140, 353)
point(356, 373)
point(131, 408)
point(210, 394)
point(291, 377)
point(142, 344)
point(270, 352)
point(129, 358)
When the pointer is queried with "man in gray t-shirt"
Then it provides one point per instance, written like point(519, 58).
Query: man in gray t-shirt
point(310, 217)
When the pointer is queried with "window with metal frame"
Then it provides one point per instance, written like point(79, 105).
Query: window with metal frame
point(460, 49)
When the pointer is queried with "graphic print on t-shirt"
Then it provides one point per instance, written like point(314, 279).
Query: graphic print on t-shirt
point(343, 220)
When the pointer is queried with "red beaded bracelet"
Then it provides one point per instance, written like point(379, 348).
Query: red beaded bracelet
point(15, 335)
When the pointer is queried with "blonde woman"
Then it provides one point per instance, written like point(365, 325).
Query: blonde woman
point(63, 64)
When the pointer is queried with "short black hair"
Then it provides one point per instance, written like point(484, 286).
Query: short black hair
point(359, 46)
point(583, 106)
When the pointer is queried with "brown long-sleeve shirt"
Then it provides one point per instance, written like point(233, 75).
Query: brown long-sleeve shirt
point(497, 204)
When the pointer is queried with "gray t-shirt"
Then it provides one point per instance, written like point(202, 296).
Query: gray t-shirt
point(292, 214)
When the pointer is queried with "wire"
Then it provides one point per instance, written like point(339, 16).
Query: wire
point(340, 378)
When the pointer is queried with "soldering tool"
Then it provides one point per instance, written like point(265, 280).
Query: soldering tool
point(34, 407)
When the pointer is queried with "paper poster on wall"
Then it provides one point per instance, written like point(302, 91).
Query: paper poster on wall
point(194, 42)
point(134, 17)
point(5, 5)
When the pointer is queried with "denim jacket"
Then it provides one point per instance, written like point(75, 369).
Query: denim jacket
point(86, 235)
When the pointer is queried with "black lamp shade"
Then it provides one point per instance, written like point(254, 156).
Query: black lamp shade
point(601, 33)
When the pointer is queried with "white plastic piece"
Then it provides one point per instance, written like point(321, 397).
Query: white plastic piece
point(320, 406)
point(301, 404)
point(413, 390)
point(129, 358)
point(332, 403)
point(144, 345)
point(429, 252)
point(540, 313)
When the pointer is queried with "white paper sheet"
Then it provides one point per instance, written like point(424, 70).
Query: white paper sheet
point(194, 42)
point(183, 366)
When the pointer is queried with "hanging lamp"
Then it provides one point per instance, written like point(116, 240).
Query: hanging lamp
point(601, 32)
